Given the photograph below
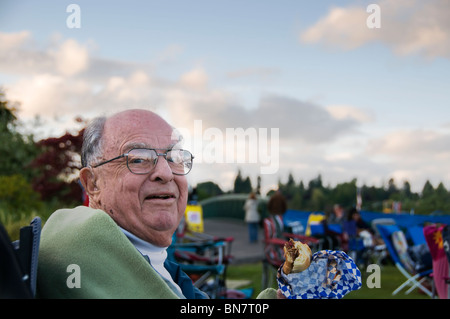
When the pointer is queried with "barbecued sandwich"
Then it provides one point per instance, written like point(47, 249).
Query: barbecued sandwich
point(297, 256)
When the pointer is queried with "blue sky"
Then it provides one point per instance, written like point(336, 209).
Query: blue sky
point(349, 101)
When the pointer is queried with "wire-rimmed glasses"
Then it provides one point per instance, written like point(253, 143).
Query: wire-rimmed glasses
point(142, 160)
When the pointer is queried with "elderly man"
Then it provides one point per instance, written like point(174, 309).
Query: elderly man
point(134, 174)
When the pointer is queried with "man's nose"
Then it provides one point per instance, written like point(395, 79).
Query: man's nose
point(162, 171)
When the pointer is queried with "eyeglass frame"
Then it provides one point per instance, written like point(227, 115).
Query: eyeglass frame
point(157, 157)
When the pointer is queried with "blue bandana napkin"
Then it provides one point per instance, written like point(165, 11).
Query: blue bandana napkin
point(331, 275)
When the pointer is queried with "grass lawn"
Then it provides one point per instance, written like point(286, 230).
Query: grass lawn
point(390, 279)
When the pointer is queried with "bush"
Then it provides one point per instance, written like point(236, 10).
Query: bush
point(17, 197)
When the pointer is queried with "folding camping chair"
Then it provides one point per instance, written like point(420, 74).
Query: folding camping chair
point(446, 241)
point(416, 234)
point(204, 258)
point(314, 224)
point(446, 246)
point(396, 244)
point(19, 260)
point(434, 238)
point(203, 262)
point(274, 239)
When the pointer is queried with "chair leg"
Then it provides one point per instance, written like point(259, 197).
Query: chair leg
point(418, 284)
point(415, 284)
point(268, 274)
point(411, 280)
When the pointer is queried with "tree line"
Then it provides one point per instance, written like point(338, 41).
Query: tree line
point(315, 196)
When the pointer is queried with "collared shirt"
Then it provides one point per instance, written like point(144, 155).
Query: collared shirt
point(156, 255)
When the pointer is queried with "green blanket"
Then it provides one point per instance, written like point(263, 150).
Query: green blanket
point(109, 265)
point(85, 247)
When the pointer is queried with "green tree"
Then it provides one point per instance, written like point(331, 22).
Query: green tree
point(17, 150)
point(318, 199)
point(427, 190)
point(344, 194)
point(208, 189)
point(258, 185)
point(17, 197)
point(242, 185)
point(392, 190)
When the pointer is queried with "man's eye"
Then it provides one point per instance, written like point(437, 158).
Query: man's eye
point(137, 160)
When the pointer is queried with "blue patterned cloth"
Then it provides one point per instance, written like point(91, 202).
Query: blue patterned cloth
point(331, 275)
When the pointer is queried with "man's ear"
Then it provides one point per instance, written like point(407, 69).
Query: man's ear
point(88, 180)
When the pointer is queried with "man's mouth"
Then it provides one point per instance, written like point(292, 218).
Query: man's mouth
point(160, 196)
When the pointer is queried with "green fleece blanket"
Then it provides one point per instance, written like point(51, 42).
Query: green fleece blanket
point(106, 263)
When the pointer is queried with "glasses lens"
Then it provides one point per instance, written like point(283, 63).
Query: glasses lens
point(141, 161)
point(180, 161)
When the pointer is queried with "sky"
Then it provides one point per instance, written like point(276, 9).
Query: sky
point(344, 89)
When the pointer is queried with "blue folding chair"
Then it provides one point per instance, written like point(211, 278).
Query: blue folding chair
point(389, 234)
point(205, 258)
point(19, 262)
point(416, 235)
point(205, 271)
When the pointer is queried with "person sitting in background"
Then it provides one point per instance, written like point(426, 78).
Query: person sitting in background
point(356, 227)
point(277, 206)
point(336, 238)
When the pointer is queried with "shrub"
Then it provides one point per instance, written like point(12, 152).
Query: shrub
point(17, 197)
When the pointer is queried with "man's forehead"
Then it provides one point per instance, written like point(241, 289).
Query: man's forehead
point(137, 118)
point(140, 129)
point(162, 144)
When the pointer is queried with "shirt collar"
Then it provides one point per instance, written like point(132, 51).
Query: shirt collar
point(143, 246)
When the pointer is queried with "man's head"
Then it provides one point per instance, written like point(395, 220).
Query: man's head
point(148, 205)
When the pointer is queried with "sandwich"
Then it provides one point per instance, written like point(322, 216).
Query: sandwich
point(297, 256)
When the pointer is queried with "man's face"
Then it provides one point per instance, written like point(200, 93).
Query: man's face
point(150, 206)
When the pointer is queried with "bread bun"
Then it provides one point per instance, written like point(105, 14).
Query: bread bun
point(297, 256)
point(303, 260)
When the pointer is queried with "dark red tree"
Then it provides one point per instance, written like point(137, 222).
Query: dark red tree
point(58, 165)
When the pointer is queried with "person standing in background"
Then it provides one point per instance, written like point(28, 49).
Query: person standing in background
point(252, 217)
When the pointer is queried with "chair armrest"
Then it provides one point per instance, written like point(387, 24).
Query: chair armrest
point(302, 238)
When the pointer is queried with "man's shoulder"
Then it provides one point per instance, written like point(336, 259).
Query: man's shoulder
point(77, 214)
point(81, 226)
point(73, 219)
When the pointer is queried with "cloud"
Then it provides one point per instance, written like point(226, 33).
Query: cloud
point(301, 120)
point(408, 27)
point(413, 155)
point(342, 27)
point(296, 120)
point(412, 145)
point(10, 41)
point(196, 79)
point(49, 95)
point(19, 55)
point(71, 58)
point(261, 72)
point(348, 111)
